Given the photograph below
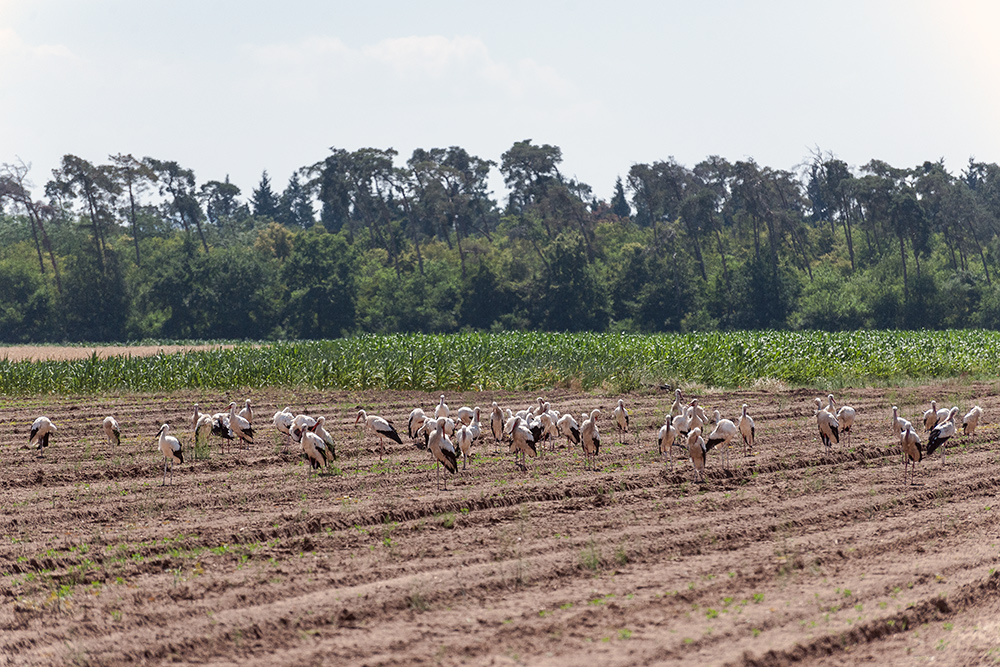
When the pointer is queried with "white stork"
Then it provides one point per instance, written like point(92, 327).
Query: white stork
point(240, 427)
point(590, 439)
point(442, 409)
point(698, 452)
point(621, 420)
point(912, 452)
point(283, 421)
point(41, 429)
point(383, 428)
point(475, 428)
point(828, 426)
point(464, 414)
point(930, 417)
point(569, 428)
point(112, 431)
point(324, 435)
point(247, 412)
point(845, 416)
point(300, 424)
point(940, 434)
point(747, 430)
point(315, 449)
point(170, 447)
point(496, 425)
point(442, 450)
point(971, 421)
point(678, 406)
point(665, 439)
point(414, 422)
point(202, 429)
point(725, 430)
point(522, 442)
point(463, 438)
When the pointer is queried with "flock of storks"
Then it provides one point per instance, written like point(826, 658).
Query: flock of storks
point(530, 429)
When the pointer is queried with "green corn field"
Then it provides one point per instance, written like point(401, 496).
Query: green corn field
point(531, 360)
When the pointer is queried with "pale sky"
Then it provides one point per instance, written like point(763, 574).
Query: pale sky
point(238, 86)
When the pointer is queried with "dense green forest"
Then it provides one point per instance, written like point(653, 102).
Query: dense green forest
point(363, 242)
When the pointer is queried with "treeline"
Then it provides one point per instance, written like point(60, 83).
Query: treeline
point(360, 242)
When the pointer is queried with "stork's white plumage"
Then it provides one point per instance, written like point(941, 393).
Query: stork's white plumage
point(320, 429)
point(725, 430)
point(442, 409)
point(971, 421)
point(747, 430)
point(549, 430)
point(569, 428)
point(315, 449)
point(202, 429)
point(415, 421)
point(300, 424)
point(845, 416)
point(941, 433)
point(41, 429)
point(695, 416)
point(464, 414)
point(463, 438)
point(522, 442)
point(441, 449)
point(170, 447)
point(283, 421)
point(912, 452)
point(383, 428)
point(680, 422)
point(590, 439)
point(829, 427)
point(111, 430)
point(698, 452)
point(678, 407)
point(621, 419)
point(475, 428)
point(930, 417)
point(897, 423)
point(665, 439)
point(240, 427)
point(247, 412)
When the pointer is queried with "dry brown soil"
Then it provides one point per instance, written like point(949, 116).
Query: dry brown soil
point(791, 556)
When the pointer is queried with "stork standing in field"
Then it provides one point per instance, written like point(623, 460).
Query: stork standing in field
point(725, 430)
point(324, 435)
point(940, 434)
point(496, 425)
point(240, 427)
point(912, 452)
point(898, 423)
point(300, 424)
point(522, 441)
point(464, 415)
point(845, 416)
point(971, 421)
point(621, 420)
point(930, 417)
point(383, 428)
point(590, 439)
point(442, 450)
point(315, 449)
point(220, 427)
point(829, 428)
point(548, 432)
point(202, 429)
point(695, 416)
point(41, 429)
point(665, 439)
point(112, 431)
point(678, 406)
point(747, 430)
point(416, 420)
point(463, 438)
point(170, 447)
point(569, 428)
point(475, 427)
point(283, 421)
point(247, 412)
point(681, 422)
point(698, 452)
point(442, 409)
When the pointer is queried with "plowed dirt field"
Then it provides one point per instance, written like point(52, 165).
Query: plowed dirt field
point(793, 555)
